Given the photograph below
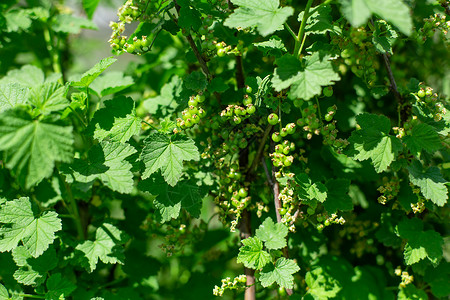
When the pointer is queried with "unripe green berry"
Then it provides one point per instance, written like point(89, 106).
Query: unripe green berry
point(328, 91)
point(276, 137)
point(221, 52)
point(272, 119)
point(248, 89)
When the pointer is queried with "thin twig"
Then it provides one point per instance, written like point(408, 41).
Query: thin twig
point(197, 53)
point(266, 170)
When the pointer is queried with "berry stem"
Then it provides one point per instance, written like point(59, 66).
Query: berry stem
point(301, 32)
point(289, 29)
point(54, 55)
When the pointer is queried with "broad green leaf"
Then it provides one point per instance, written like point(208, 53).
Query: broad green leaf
point(12, 95)
point(309, 190)
point(36, 233)
point(321, 285)
point(27, 76)
point(169, 200)
point(167, 153)
point(167, 100)
point(111, 83)
point(49, 97)
point(4, 295)
point(438, 279)
point(273, 235)
point(86, 79)
point(384, 37)
point(33, 271)
point(17, 20)
point(106, 246)
point(32, 147)
point(189, 18)
point(421, 244)
point(396, 12)
point(273, 47)
point(71, 24)
point(252, 255)
point(430, 182)
point(305, 77)
point(196, 81)
point(117, 121)
point(281, 273)
point(423, 137)
point(320, 21)
point(107, 162)
point(410, 292)
point(58, 286)
point(265, 15)
point(373, 141)
point(338, 196)
point(90, 6)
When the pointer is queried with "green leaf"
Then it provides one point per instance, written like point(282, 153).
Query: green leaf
point(196, 81)
point(12, 95)
point(189, 18)
point(252, 255)
point(17, 20)
point(280, 273)
point(107, 162)
point(33, 271)
point(32, 147)
point(423, 137)
point(111, 83)
point(86, 79)
point(117, 121)
point(321, 285)
point(430, 182)
point(4, 295)
point(36, 233)
point(58, 286)
point(27, 76)
point(438, 278)
point(49, 97)
point(265, 15)
point(167, 100)
point(373, 141)
point(421, 244)
point(305, 77)
point(358, 12)
point(106, 246)
point(167, 154)
point(410, 292)
point(338, 197)
point(71, 24)
point(273, 235)
point(309, 190)
point(169, 200)
point(320, 21)
point(90, 6)
point(384, 37)
point(273, 47)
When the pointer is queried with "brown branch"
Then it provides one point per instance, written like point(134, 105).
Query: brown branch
point(197, 53)
point(240, 73)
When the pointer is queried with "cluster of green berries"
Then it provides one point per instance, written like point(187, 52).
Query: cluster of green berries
point(193, 113)
point(236, 113)
point(358, 52)
point(431, 100)
point(309, 121)
point(128, 13)
point(437, 22)
point(289, 206)
point(389, 190)
point(324, 220)
point(227, 284)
